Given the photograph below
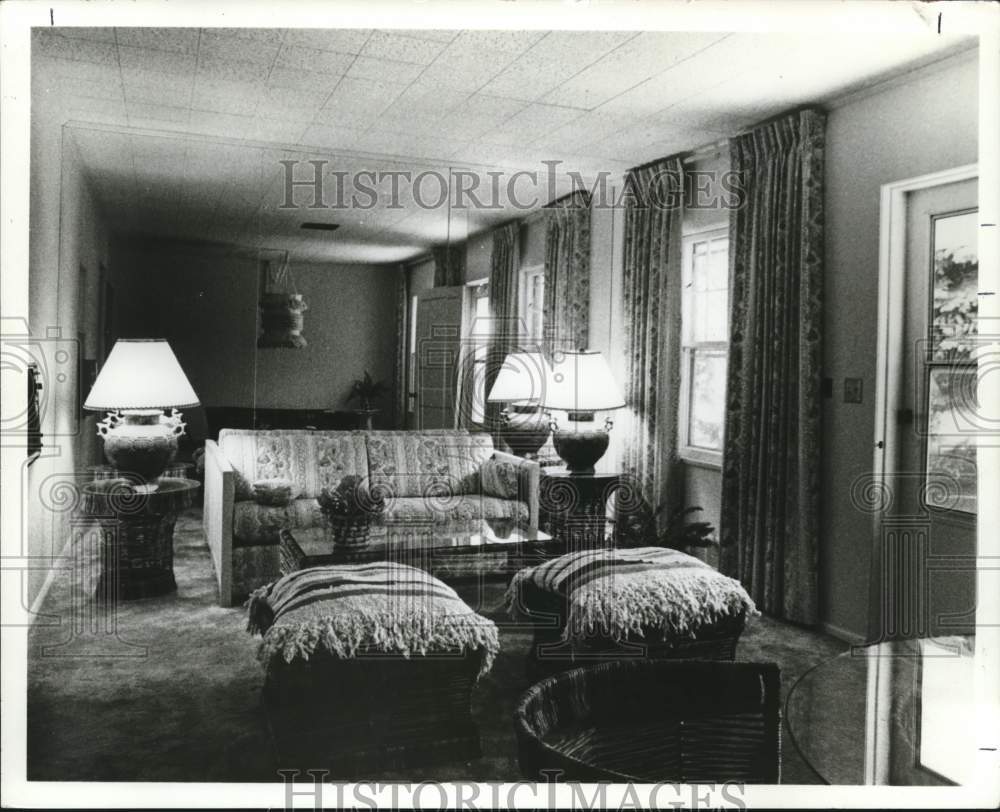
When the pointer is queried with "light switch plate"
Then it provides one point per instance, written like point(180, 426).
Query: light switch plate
point(852, 390)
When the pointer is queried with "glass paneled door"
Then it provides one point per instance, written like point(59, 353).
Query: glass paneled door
point(929, 572)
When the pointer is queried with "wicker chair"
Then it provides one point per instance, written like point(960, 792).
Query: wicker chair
point(684, 721)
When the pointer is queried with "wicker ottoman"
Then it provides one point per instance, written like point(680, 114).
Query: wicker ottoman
point(649, 722)
point(369, 667)
point(642, 603)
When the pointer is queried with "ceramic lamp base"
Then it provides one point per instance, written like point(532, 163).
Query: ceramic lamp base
point(524, 431)
point(141, 443)
point(580, 450)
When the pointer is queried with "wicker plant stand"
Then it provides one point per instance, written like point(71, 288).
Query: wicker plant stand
point(362, 716)
point(685, 721)
point(550, 653)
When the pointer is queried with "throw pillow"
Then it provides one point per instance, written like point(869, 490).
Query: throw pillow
point(499, 478)
point(273, 492)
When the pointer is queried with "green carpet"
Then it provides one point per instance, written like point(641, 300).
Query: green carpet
point(168, 689)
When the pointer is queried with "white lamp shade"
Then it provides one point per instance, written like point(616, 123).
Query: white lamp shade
point(141, 373)
point(581, 381)
point(522, 377)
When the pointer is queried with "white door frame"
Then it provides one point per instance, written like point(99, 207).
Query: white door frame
point(888, 381)
point(891, 302)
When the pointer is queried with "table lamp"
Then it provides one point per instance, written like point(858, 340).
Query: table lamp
point(519, 384)
point(140, 379)
point(580, 383)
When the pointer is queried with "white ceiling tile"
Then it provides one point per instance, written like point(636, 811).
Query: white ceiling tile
point(235, 71)
point(495, 107)
point(80, 88)
point(82, 109)
point(148, 94)
point(181, 40)
point(436, 34)
point(383, 70)
point(300, 57)
point(579, 47)
point(324, 135)
point(345, 40)
point(101, 34)
point(280, 130)
point(531, 77)
point(471, 76)
point(222, 124)
point(222, 46)
point(388, 45)
point(48, 43)
point(157, 112)
point(226, 97)
point(272, 36)
point(302, 80)
point(157, 61)
point(514, 42)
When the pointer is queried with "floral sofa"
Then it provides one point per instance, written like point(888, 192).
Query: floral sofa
point(429, 476)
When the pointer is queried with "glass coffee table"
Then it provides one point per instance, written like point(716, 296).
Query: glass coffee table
point(899, 713)
point(480, 548)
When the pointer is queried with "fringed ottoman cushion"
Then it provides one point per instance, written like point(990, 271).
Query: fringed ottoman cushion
point(653, 595)
point(382, 607)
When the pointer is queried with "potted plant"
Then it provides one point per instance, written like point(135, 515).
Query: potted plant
point(348, 511)
point(367, 390)
point(641, 529)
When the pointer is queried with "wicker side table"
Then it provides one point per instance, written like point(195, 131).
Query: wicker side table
point(137, 534)
point(573, 507)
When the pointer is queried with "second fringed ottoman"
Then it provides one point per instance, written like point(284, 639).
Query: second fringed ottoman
point(617, 604)
point(369, 667)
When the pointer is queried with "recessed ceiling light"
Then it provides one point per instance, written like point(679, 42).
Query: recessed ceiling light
point(321, 226)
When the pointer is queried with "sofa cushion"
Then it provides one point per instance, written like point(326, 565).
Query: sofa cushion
point(427, 463)
point(466, 507)
point(311, 460)
point(499, 478)
point(255, 524)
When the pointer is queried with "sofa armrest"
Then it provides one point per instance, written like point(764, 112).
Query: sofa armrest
point(529, 478)
point(220, 494)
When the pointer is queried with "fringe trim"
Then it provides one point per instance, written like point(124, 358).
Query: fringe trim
point(617, 606)
point(676, 607)
point(418, 634)
point(260, 615)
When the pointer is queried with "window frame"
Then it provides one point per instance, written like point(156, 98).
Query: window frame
point(696, 455)
point(527, 274)
point(476, 291)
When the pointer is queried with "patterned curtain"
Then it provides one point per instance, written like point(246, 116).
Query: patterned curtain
point(402, 334)
point(504, 278)
point(771, 458)
point(652, 297)
point(449, 265)
point(567, 272)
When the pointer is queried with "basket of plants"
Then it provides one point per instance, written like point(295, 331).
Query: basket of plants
point(349, 510)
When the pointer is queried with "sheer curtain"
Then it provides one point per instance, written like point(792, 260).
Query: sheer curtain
point(771, 458)
point(402, 336)
point(654, 209)
point(567, 272)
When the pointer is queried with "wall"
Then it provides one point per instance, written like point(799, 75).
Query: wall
point(67, 233)
point(203, 299)
point(923, 125)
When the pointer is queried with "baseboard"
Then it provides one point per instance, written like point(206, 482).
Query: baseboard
point(842, 634)
point(36, 605)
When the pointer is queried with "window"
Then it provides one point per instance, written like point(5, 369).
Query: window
point(479, 333)
point(533, 302)
point(411, 398)
point(704, 346)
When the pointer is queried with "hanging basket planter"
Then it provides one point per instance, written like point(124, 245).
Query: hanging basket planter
point(281, 320)
point(281, 307)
